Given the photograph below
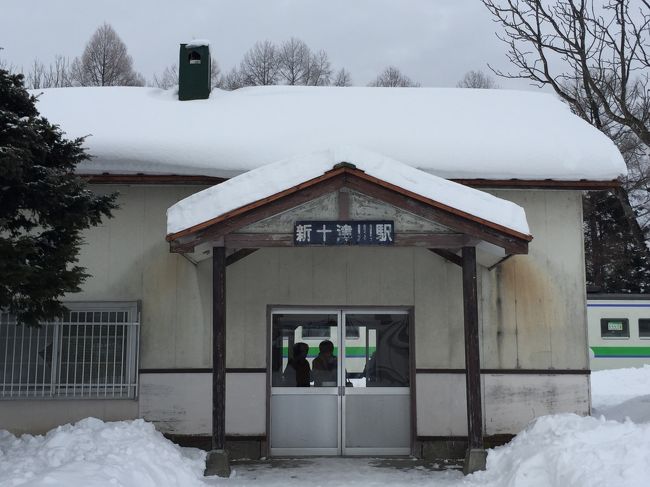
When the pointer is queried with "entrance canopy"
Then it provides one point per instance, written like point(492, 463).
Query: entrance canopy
point(258, 208)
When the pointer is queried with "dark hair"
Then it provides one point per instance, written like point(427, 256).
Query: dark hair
point(300, 349)
point(326, 346)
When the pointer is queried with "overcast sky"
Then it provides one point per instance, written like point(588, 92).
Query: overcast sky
point(433, 41)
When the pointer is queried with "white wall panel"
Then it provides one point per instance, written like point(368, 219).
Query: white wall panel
point(245, 403)
point(510, 401)
point(177, 403)
point(513, 400)
point(441, 405)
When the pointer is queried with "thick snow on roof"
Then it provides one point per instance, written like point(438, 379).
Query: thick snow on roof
point(271, 179)
point(197, 43)
point(453, 133)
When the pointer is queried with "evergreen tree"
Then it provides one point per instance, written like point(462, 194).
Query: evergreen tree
point(616, 262)
point(43, 208)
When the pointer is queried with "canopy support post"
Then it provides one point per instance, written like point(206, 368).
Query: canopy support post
point(217, 462)
point(476, 455)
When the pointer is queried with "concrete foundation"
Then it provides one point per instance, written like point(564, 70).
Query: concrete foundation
point(475, 460)
point(217, 463)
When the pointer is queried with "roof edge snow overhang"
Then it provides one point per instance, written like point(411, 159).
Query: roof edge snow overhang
point(179, 179)
point(511, 240)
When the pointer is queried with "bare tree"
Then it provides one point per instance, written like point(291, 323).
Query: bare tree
point(105, 62)
point(392, 77)
point(167, 79)
point(477, 79)
point(342, 78)
point(319, 72)
point(595, 56)
point(6, 66)
point(35, 76)
point(232, 80)
point(55, 75)
point(294, 59)
point(601, 47)
point(58, 73)
point(215, 73)
point(260, 65)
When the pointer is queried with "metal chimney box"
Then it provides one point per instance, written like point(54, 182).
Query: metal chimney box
point(194, 71)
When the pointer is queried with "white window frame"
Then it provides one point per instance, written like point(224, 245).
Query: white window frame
point(39, 371)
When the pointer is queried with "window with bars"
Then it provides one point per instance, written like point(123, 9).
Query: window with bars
point(90, 352)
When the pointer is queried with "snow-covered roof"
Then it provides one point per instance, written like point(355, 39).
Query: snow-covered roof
point(453, 133)
point(197, 43)
point(271, 179)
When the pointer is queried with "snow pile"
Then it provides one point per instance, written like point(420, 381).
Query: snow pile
point(622, 393)
point(567, 450)
point(453, 133)
point(93, 453)
point(563, 450)
point(273, 178)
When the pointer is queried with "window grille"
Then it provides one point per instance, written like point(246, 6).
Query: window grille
point(90, 352)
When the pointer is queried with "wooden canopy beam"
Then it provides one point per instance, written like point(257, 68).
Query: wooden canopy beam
point(448, 255)
point(263, 209)
point(428, 240)
point(238, 255)
point(476, 228)
point(462, 222)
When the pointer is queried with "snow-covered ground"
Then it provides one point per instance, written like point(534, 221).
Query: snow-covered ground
point(612, 448)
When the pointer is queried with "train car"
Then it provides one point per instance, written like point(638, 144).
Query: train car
point(619, 330)
point(372, 353)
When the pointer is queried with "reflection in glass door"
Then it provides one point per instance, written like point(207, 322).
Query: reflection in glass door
point(352, 399)
point(376, 407)
point(305, 400)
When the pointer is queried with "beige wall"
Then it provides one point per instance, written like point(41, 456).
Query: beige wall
point(532, 307)
point(129, 259)
point(38, 416)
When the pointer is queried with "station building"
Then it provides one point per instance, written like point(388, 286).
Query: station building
point(319, 270)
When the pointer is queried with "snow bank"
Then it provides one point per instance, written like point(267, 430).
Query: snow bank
point(274, 178)
point(453, 133)
point(93, 453)
point(622, 393)
point(567, 450)
point(562, 450)
point(612, 448)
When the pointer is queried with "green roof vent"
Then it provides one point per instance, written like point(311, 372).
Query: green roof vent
point(194, 71)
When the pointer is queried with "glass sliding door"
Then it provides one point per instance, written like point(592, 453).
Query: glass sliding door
point(340, 382)
point(305, 401)
point(377, 405)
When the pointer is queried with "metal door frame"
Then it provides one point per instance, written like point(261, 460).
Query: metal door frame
point(340, 391)
point(324, 391)
point(373, 391)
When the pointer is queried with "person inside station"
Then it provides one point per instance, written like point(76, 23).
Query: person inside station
point(324, 365)
point(298, 372)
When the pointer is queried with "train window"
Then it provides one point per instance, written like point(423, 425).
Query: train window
point(352, 331)
point(291, 354)
point(314, 330)
point(614, 328)
point(644, 328)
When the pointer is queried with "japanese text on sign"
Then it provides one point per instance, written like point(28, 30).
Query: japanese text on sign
point(381, 232)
